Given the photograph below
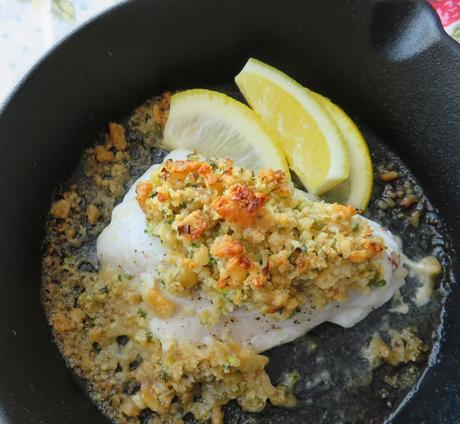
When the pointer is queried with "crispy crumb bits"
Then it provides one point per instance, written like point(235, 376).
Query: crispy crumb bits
point(60, 209)
point(117, 136)
point(93, 214)
point(249, 238)
point(161, 109)
point(403, 347)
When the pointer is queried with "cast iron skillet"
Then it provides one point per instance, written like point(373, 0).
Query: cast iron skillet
point(387, 62)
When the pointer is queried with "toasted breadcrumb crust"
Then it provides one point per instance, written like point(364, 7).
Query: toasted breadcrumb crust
point(252, 239)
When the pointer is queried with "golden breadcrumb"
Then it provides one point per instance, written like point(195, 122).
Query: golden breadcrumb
point(263, 243)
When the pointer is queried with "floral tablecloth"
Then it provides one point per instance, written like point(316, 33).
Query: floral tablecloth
point(28, 28)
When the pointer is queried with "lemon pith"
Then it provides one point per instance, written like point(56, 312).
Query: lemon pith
point(214, 124)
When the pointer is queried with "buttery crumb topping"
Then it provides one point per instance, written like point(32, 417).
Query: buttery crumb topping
point(248, 238)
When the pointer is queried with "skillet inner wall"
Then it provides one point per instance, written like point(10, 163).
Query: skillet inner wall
point(102, 72)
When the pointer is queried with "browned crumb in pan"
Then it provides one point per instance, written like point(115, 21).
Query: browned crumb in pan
point(402, 347)
point(97, 318)
point(81, 306)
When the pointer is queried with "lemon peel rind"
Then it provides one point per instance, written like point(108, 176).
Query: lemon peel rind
point(361, 168)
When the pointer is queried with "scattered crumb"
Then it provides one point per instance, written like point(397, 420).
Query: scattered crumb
point(403, 347)
point(403, 379)
point(391, 380)
point(161, 109)
point(102, 154)
point(389, 176)
point(93, 214)
point(414, 218)
point(60, 209)
point(217, 416)
point(117, 136)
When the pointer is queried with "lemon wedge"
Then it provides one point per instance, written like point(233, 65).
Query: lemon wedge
point(311, 140)
point(216, 125)
point(356, 190)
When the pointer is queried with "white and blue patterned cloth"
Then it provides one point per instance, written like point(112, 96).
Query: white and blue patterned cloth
point(28, 28)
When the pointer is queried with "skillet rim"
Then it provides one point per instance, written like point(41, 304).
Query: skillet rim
point(9, 100)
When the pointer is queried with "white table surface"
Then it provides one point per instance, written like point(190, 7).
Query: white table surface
point(28, 28)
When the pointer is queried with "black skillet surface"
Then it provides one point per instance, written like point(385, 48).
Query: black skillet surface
point(387, 62)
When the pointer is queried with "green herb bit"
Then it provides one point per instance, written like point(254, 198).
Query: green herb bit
point(141, 313)
point(294, 312)
point(290, 379)
point(190, 250)
point(227, 293)
point(125, 276)
point(232, 361)
point(380, 283)
point(229, 296)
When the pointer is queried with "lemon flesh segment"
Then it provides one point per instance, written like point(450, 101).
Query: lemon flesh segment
point(311, 141)
point(216, 125)
point(356, 190)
